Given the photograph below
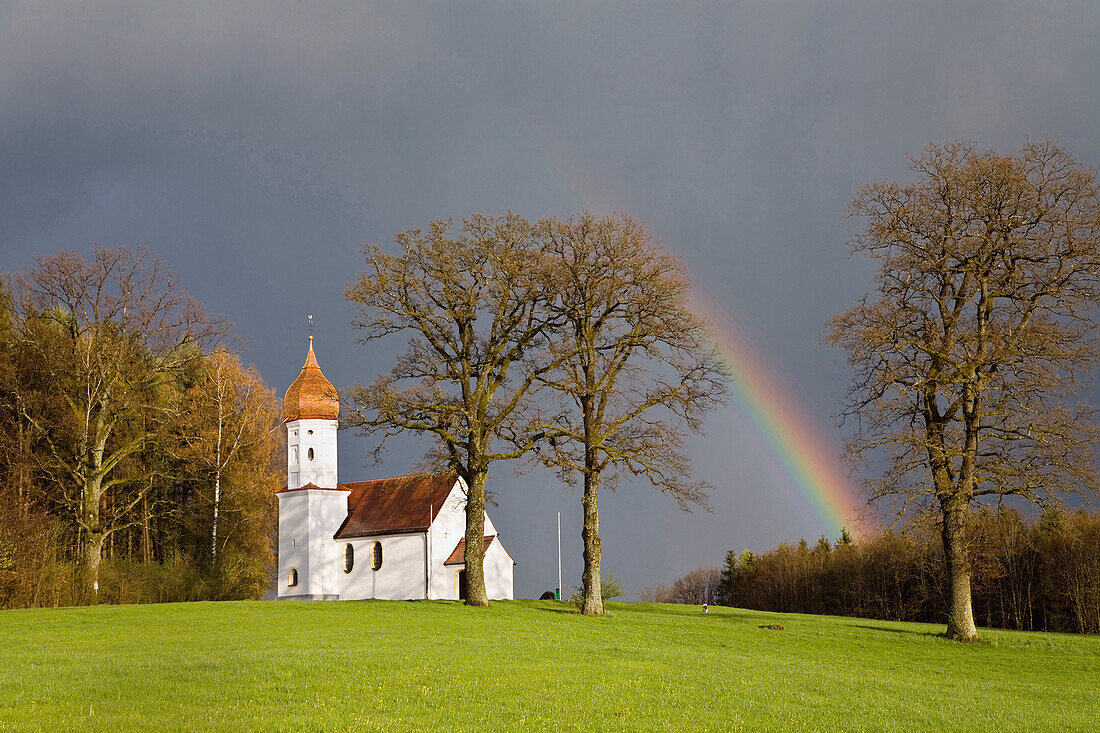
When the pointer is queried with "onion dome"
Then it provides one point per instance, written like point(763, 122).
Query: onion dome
point(311, 396)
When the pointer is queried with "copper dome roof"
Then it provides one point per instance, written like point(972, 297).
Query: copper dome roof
point(311, 396)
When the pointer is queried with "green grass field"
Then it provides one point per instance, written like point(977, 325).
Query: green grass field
point(525, 665)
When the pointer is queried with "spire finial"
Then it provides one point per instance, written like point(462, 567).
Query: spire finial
point(311, 330)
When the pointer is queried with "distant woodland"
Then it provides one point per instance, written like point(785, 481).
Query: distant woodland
point(1042, 575)
point(138, 456)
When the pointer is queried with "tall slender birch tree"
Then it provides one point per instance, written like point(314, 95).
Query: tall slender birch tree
point(226, 414)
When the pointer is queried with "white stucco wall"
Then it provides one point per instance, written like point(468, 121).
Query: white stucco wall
point(293, 549)
point(401, 576)
point(447, 529)
point(307, 521)
point(499, 571)
point(301, 436)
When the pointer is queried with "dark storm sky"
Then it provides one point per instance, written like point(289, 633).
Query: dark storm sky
point(255, 146)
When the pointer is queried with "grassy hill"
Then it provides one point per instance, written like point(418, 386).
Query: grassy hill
point(525, 664)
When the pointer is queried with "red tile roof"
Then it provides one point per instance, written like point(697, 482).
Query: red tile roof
point(458, 557)
point(394, 505)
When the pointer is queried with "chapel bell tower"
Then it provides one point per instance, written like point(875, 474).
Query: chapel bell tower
point(312, 411)
point(312, 506)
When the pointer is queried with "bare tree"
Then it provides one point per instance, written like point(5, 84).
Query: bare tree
point(635, 368)
point(658, 593)
point(699, 586)
point(970, 356)
point(110, 333)
point(476, 309)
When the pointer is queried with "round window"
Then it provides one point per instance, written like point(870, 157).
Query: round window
point(349, 557)
point(376, 556)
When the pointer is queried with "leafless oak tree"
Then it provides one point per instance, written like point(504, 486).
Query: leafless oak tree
point(475, 307)
point(633, 368)
point(970, 355)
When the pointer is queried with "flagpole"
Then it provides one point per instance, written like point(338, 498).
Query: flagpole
point(559, 556)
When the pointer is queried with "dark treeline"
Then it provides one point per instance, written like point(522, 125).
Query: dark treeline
point(1042, 576)
point(138, 457)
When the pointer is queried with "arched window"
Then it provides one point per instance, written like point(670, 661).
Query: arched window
point(349, 557)
point(376, 556)
point(293, 579)
point(310, 454)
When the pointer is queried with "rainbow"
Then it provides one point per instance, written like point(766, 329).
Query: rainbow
point(763, 399)
point(759, 395)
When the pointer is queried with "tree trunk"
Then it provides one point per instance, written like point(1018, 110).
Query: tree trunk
point(217, 472)
point(92, 523)
point(91, 545)
point(954, 505)
point(146, 540)
point(590, 534)
point(474, 556)
point(93, 548)
point(214, 532)
point(23, 482)
point(960, 613)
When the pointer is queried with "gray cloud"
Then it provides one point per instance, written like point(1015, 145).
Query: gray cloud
point(256, 145)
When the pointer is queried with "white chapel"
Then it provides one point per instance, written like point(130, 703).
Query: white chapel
point(394, 538)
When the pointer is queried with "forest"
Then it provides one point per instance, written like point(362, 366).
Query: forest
point(1042, 575)
point(138, 455)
